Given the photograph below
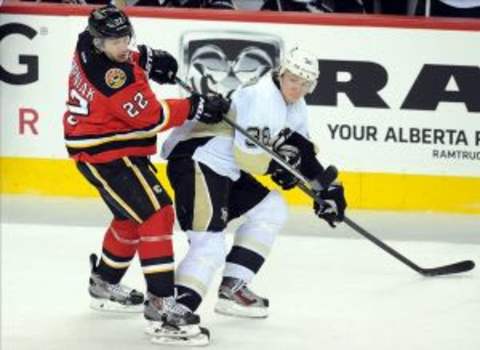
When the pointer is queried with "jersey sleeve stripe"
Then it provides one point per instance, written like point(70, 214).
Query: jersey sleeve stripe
point(165, 118)
point(91, 141)
point(114, 145)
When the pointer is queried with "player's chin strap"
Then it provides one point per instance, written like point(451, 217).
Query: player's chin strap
point(461, 266)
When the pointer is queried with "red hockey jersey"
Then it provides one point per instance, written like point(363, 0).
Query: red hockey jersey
point(111, 110)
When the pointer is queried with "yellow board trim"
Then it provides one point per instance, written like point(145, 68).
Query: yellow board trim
point(59, 177)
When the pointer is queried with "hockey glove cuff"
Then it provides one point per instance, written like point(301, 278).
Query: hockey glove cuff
point(208, 109)
point(324, 179)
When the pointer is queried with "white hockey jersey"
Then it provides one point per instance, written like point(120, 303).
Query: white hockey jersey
point(261, 110)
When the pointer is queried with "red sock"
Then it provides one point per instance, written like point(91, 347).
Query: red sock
point(156, 251)
point(119, 246)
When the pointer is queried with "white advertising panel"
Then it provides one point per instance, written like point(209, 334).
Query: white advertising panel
point(394, 100)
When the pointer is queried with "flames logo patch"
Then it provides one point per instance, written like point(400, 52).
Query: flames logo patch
point(115, 78)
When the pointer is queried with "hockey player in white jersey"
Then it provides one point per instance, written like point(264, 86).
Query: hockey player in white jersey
point(210, 169)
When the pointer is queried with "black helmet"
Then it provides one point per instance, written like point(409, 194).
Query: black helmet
point(109, 22)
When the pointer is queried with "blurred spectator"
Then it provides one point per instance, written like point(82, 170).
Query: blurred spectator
point(446, 8)
point(73, 2)
point(450, 8)
point(389, 7)
point(217, 4)
point(314, 5)
point(454, 8)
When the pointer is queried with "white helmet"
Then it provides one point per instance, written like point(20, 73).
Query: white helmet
point(301, 63)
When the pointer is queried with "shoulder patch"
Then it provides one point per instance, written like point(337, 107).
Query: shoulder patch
point(115, 78)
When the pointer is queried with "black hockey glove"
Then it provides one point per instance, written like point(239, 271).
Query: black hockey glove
point(291, 154)
point(208, 109)
point(333, 208)
point(309, 166)
point(324, 178)
point(160, 65)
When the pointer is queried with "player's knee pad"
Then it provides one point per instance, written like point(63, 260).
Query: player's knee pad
point(120, 241)
point(158, 224)
point(263, 223)
point(124, 230)
point(271, 211)
point(156, 235)
point(207, 247)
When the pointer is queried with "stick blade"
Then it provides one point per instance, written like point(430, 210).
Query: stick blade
point(458, 267)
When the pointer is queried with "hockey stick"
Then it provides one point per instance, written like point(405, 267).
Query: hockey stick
point(458, 267)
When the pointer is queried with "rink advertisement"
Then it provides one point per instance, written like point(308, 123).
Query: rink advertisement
point(396, 107)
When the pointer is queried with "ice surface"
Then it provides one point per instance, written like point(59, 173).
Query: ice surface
point(327, 291)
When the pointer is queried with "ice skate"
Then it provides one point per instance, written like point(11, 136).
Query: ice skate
point(172, 323)
point(236, 299)
point(112, 297)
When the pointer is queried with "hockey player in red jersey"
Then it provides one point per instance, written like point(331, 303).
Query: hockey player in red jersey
point(110, 128)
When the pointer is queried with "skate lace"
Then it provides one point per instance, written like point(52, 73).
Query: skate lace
point(239, 287)
point(249, 293)
point(174, 307)
point(119, 289)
